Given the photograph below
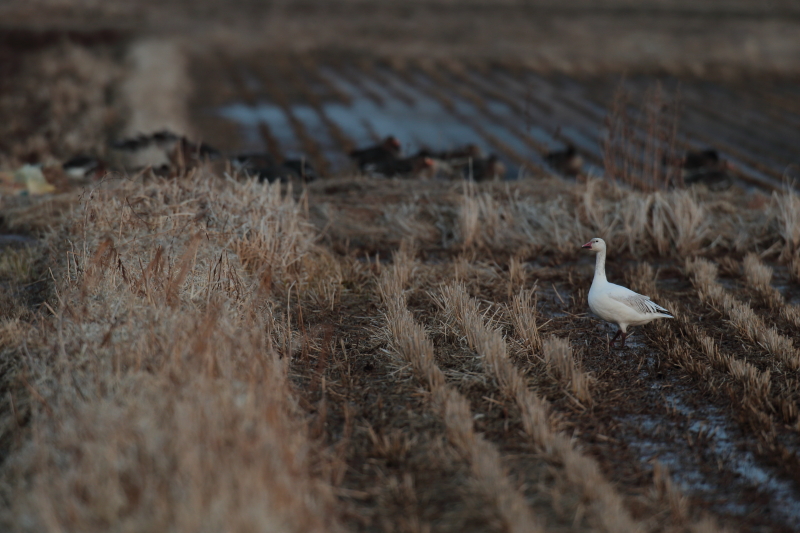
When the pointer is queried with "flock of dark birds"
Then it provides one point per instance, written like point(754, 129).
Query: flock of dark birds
point(384, 159)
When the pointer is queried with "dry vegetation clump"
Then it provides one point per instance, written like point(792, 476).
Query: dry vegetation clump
point(604, 504)
point(741, 315)
point(759, 277)
point(560, 361)
point(412, 344)
point(756, 383)
point(637, 140)
point(57, 103)
point(153, 394)
point(18, 264)
point(794, 269)
point(523, 317)
point(759, 401)
point(785, 210)
point(675, 223)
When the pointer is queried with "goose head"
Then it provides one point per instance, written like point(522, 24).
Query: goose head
point(595, 245)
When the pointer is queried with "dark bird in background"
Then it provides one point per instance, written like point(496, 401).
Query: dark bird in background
point(252, 161)
point(180, 152)
point(568, 161)
point(696, 160)
point(131, 144)
point(405, 168)
point(483, 169)
point(706, 167)
point(167, 141)
point(387, 150)
point(185, 153)
point(302, 168)
point(453, 163)
point(462, 153)
point(266, 168)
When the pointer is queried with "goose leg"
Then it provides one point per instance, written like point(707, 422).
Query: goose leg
point(612, 341)
point(624, 336)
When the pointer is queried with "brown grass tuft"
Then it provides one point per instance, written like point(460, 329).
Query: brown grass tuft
point(785, 214)
point(523, 317)
point(161, 401)
point(560, 361)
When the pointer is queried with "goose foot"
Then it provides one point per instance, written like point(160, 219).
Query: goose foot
point(612, 341)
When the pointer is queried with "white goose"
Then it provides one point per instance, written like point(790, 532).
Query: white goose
point(615, 303)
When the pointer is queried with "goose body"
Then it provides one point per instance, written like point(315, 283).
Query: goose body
point(615, 303)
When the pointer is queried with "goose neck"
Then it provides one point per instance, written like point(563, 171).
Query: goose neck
point(600, 266)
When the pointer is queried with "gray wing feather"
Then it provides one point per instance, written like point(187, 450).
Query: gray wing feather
point(642, 304)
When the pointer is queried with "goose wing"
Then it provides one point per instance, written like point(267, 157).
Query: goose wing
point(638, 302)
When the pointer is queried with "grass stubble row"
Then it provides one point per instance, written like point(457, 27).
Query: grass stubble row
point(759, 400)
point(605, 505)
point(786, 357)
point(740, 314)
point(556, 352)
point(412, 344)
point(755, 383)
point(153, 395)
point(758, 276)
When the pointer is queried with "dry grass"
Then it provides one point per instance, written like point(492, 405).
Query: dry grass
point(18, 264)
point(241, 283)
point(785, 210)
point(523, 317)
point(755, 382)
point(759, 401)
point(741, 314)
point(794, 269)
point(675, 223)
point(759, 277)
point(156, 390)
point(412, 345)
point(560, 361)
point(604, 504)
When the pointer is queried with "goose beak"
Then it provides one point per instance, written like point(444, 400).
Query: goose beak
point(587, 245)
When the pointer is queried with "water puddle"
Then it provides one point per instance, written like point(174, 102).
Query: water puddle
point(250, 118)
point(391, 106)
point(712, 427)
